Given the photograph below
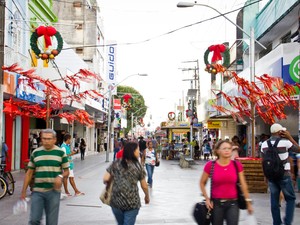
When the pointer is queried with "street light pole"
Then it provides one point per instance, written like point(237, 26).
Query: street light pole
point(251, 56)
point(110, 129)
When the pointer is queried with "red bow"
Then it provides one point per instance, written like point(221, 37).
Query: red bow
point(47, 32)
point(217, 49)
point(126, 97)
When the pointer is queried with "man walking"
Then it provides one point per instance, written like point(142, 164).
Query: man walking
point(47, 162)
point(66, 147)
point(285, 145)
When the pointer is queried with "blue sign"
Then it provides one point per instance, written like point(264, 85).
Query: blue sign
point(23, 91)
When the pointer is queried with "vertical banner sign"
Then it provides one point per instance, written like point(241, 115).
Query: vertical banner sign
point(111, 68)
point(123, 118)
point(117, 109)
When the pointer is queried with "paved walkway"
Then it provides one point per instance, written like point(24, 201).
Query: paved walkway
point(172, 197)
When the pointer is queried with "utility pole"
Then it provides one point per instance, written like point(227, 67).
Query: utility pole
point(2, 47)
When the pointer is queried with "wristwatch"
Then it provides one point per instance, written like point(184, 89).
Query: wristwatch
point(61, 176)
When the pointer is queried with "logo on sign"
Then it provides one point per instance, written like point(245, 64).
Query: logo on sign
point(295, 69)
point(111, 62)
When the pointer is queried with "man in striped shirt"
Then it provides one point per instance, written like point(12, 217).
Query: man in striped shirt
point(285, 145)
point(46, 163)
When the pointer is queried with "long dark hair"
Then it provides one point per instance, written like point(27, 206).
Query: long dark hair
point(128, 154)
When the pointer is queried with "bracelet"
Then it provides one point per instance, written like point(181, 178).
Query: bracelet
point(248, 200)
point(61, 176)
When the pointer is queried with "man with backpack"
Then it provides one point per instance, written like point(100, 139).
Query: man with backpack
point(276, 166)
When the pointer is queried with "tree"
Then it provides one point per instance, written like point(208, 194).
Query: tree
point(138, 104)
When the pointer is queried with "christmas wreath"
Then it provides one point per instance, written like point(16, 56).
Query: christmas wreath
point(127, 101)
point(47, 32)
point(171, 116)
point(217, 50)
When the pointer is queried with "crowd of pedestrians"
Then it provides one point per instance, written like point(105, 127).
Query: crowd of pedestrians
point(134, 162)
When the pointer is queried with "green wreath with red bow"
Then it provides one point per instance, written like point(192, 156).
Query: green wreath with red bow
point(47, 32)
point(219, 52)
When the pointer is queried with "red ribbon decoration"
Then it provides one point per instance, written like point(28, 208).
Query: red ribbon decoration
point(126, 97)
point(217, 49)
point(47, 32)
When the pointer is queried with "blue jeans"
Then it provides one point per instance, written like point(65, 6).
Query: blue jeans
point(48, 201)
point(125, 217)
point(228, 211)
point(286, 186)
point(115, 152)
point(150, 171)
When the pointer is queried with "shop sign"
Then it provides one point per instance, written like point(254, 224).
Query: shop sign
point(117, 104)
point(9, 84)
point(214, 124)
point(198, 125)
point(25, 92)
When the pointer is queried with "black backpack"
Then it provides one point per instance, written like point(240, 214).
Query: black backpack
point(272, 164)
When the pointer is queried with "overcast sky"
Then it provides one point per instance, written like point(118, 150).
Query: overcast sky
point(131, 21)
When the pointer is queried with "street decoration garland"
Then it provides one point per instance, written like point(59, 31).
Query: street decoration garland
point(141, 122)
point(29, 78)
point(217, 50)
point(126, 101)
point(47, 32)
point(171, 116)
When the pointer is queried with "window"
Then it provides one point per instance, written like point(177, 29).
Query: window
point(286, 38)
point(77, 4)
point(78, 26)
point(79, 50)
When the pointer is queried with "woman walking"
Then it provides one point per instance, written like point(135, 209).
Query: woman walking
point(149, 159)
point(223, 199)
point(125, 200)
point(82, 148)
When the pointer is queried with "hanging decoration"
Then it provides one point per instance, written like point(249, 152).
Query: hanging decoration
point(219, 52)
point(141, 122)
point(269, 99)
point(171, 116)
point(57, 100)
point(48, 32)
point(127, 101)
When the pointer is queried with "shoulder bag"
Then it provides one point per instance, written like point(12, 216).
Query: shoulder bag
point(106, 194)
point(201, 213)
point(241, 198)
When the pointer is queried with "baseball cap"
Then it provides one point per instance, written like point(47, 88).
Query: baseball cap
point(276, 127)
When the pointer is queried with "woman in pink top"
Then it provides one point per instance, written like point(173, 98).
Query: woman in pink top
point(224, 192)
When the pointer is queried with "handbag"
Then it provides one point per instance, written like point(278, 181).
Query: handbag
point(106, 194)
point(241, 198)
point(201, 213)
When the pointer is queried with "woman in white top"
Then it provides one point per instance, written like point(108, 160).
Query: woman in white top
point(149, 159)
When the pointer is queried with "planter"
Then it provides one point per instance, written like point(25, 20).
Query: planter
point(254, 175)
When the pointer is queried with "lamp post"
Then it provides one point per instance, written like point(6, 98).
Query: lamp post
point(132, 117)
point(110, 129)
point(251, 57)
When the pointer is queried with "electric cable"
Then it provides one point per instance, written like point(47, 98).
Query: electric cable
point(164, 34)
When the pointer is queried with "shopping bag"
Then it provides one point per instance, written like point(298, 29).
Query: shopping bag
point(250, 219)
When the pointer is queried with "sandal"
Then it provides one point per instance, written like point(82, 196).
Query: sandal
point(80, 193)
